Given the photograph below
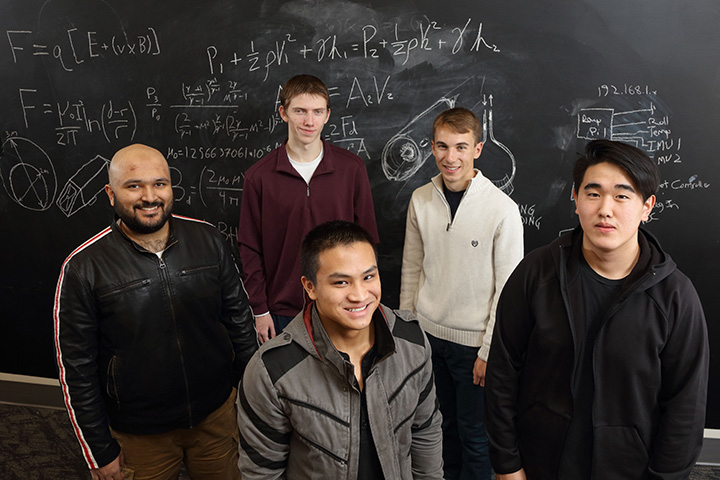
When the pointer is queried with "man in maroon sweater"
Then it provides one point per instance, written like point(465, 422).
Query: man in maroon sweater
point(301, 184)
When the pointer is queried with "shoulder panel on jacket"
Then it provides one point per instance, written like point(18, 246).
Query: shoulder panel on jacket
point(407, 327)
point(279, 361)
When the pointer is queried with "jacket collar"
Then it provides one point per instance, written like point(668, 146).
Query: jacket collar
point(172, 239)
point(653, 266)
point(282, 162)
point(473, 187)
point(312, 336)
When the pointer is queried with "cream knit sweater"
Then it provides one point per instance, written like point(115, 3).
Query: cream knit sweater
point(453, 271)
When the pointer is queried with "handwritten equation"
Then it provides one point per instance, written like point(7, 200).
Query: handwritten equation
point(79, 46)
point(114, 119)
point(401, 42)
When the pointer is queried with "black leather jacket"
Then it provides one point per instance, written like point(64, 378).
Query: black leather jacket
point(148, 344)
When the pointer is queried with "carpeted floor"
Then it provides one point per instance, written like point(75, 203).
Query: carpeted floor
point(39, 444)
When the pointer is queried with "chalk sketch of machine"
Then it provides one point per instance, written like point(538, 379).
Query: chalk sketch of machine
point(408, 149)
point(84, 186)
point(497, 162)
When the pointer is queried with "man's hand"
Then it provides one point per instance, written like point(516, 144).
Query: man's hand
point(265, 327)
point(479, 372)
point(519, 475)
point(111, 471)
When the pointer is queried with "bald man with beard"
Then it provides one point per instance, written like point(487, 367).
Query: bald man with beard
point(153, 330)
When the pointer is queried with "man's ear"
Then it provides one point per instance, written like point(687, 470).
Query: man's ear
point(575, 197)
point(647, 207)
point(478, 150)
point(110, 194)
point(309, 287)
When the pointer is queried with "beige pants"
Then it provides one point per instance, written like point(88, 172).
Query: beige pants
point(209, 450)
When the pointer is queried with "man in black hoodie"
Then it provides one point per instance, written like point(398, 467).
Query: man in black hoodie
point(599, 360)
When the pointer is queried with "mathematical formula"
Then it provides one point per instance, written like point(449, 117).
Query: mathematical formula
point(79, 47)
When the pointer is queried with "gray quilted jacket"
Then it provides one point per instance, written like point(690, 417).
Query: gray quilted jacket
point(299, 409)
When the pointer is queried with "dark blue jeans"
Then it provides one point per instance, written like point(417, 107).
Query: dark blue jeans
point(280, 322)
point(462, 403)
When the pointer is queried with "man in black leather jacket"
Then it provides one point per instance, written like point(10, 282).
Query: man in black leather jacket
point(153, 330)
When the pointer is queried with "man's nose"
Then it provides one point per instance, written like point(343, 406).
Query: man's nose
point(606, 206)
point(357, 292)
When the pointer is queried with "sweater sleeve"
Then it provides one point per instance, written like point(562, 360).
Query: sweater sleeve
point(264, 428)
point(413, 256)
point(685, 363)
point(76, 345)
point(250, 247)
point(507, 253)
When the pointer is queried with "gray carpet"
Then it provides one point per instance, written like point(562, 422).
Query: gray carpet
point(39, 444)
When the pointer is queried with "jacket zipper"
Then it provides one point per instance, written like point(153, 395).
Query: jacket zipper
point(616, 306)
point(451, 220)
point(166, 282)
point(562, 270)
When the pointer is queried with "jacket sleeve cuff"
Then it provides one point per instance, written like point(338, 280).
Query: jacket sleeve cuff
point(107, 455)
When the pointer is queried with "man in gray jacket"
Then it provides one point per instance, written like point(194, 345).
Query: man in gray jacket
point(347, 389)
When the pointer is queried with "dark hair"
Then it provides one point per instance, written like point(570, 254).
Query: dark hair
point(642, 171)
point(459, 120)
point(300, 84)
point(326, 236)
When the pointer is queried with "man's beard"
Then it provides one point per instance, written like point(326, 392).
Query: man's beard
point(130, 220)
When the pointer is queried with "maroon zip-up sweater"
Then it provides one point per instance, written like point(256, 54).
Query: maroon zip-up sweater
point(278, 209)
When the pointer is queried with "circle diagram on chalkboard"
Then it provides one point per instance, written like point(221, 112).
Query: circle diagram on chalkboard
point(27, 174)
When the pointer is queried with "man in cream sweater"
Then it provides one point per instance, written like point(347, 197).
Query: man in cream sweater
point(463, 239)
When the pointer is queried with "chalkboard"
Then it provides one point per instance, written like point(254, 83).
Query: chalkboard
point(200, 82)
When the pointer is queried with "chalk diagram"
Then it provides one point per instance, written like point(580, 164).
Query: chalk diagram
point(640, 127)
point(408, 149)
point(497, 162)
point(84, 186)
point(29, 178)
point(27, 174)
